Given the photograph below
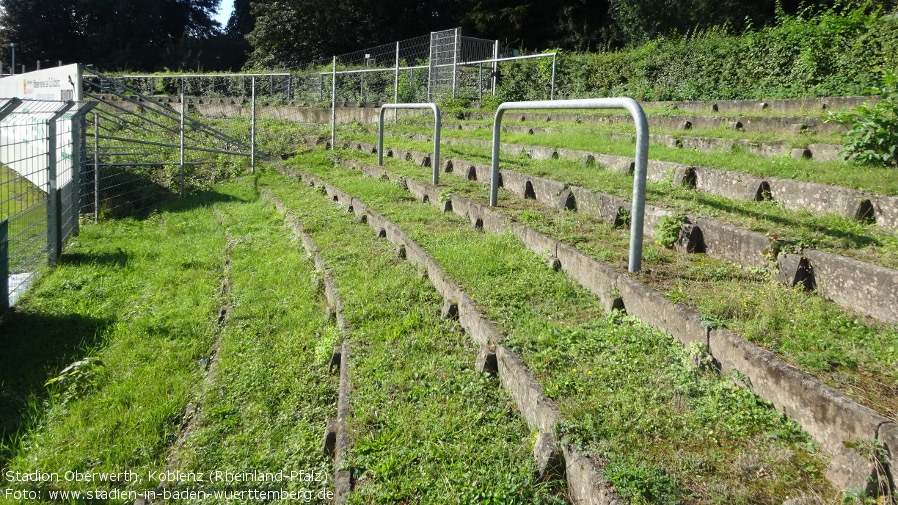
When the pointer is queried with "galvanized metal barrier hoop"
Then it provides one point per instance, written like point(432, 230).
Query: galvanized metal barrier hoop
point(435, 161)
point(637, 212)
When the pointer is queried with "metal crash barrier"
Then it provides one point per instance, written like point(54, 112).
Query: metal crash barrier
point(642, 154)
point(435, 161)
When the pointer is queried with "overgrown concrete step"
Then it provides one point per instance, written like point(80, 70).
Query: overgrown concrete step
point(585, 480)
point(769, 149)
point(832, 418)
point(790, 125)
point(337, 439)
point(865, 288)
point(816, 198)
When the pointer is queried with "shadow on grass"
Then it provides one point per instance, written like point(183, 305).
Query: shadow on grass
point(34, 348)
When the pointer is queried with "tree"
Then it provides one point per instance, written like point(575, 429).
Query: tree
point(112, 34)
point(44, 30)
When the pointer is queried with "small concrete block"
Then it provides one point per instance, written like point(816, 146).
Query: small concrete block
point(553, 263)
point(549, 460)
point(684, 176)
point(686, 125)
point(690, 239)
point(734, 125)
point(446, 206)
point(486, 361)
point(888, 437)
point(800, 153)
point(329, 443)
point(449, 310)
point(334, 362)
point(566, 200)
point(794, 270)
point(400, 252)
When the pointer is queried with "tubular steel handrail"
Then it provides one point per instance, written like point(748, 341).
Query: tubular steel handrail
point(642, 154)
point(435, 162)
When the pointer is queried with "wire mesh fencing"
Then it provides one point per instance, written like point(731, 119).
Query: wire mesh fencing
point(40, 146)
point(144, 151)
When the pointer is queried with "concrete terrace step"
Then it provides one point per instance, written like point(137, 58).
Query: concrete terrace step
point(791, 125)
point(586, 483)
point(865, 288)
point(827, 414)
point(816, 198)
point(530, 401)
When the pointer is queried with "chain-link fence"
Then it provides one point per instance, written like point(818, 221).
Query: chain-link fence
point(144, 151)
point(428, 68)
point(40, 146)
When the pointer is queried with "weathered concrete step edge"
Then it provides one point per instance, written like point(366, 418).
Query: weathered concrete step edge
point(336, 438)
point(586, 484)
point(756, 124)
point(816, 198)
point(828, 415)
point(767, 148)
point(863, 287)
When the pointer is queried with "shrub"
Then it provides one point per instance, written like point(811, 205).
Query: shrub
point(873, 137)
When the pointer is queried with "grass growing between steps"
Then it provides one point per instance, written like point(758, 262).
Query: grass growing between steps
point(132, 308)
point(865, 242)
point(845, 350)
point(426, 427)
point(670, 430)
point(838, 173)
point(586, 131)
point(265, 402)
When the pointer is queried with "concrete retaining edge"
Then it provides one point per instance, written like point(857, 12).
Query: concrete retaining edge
point(337, 428)
point(813, 197)
point(876, 298)
point(586, 484)
point(829, 416)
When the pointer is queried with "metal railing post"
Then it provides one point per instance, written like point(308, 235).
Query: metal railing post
point(435, 162)
point(637, 212)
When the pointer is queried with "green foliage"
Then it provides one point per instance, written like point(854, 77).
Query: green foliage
point(668, 229)
point(873, 137)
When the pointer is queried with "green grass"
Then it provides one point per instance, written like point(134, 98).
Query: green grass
point(426, 427)
point(617, 380)
point(139, 298)
point(865, 242)
point(843, 349)
point(839, 173)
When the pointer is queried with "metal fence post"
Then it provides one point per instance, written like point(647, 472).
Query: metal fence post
point(77, 146)
point(396, 84)
point(183, 108)
point(252, 130)
point(552, 93)
point(456, 47)
point(495, 65)
point(334, 104)
point(4, 265)
point(96, 168)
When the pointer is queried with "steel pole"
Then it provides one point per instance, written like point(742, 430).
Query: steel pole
point(252, 130)
point(334, 104)
point(96, 168)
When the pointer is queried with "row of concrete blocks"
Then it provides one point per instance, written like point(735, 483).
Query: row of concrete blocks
point(586, 484)
point(770, 149)
point(816, 198)
point(336, 440)
point(832, 418)
point(759, 124)
point(869, 289)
